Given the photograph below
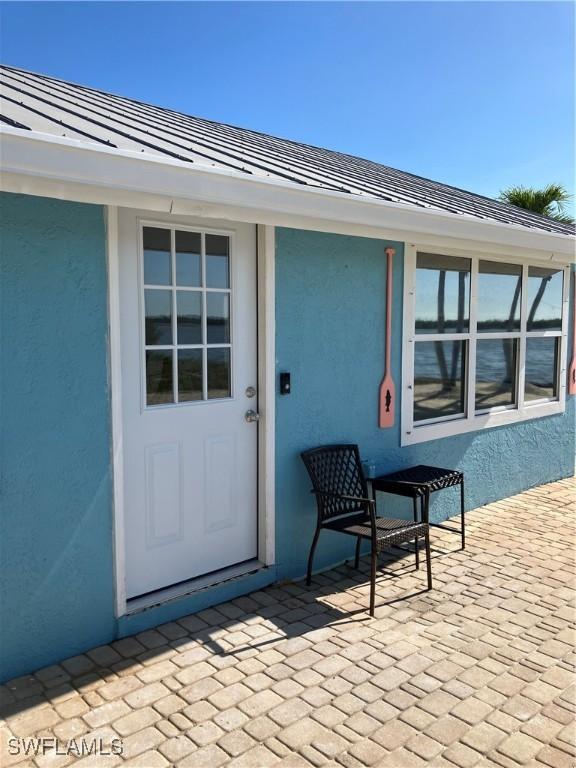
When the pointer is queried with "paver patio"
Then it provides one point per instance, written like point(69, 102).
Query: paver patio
point(478, 672)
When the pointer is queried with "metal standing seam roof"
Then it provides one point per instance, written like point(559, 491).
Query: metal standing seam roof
point(30, 101)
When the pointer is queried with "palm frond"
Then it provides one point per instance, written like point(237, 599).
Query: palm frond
point(565, 218)
point(549, 201)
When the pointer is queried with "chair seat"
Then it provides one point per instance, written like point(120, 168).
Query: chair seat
point(389, 530)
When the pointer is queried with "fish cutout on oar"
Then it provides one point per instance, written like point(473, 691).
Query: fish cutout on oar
point(387, 392)
point(572, 371)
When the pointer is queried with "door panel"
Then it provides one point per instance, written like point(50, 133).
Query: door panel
point(220, 512)
point(188, 342)
point(163, 497)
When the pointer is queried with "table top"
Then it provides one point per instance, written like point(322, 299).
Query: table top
point(416, 479)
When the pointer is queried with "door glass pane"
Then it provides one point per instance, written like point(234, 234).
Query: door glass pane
point(442, 293)
point(499, 299)
point(541, 368)
point(158, 316)
point(157, 260)
point(189, 317)
point(189, 374)
point(159, 377)
point(188, 259)
point(544, 299)
point(496, 372)
point(217, 261)
point(218, 318)
point(218, 362)
point(439, 379)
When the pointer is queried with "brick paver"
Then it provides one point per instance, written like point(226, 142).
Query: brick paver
point(478, 672)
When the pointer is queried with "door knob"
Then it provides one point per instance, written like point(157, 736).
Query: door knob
point(251, 416)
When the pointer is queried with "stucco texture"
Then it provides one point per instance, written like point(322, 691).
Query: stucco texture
point(330, 305)
point(56, 521)
point(56, 538)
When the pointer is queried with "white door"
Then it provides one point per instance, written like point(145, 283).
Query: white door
point(189, 374)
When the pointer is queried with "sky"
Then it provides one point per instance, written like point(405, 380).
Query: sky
point(478, 95)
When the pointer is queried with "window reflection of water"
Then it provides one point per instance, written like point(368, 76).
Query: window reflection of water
point(542, 366)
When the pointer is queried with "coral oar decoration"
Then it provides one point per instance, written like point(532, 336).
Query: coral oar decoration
point(572, 371)
point(387, 394)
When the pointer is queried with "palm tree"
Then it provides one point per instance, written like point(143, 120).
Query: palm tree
point(549, 201)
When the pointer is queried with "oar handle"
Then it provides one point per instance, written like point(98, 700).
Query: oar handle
point(389, 256)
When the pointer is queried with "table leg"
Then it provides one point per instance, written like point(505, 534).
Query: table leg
point(462, 521)
point(428, 558)
point(416, 542)
point(425, 506)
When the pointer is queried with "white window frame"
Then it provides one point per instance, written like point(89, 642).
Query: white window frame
point(471, 421)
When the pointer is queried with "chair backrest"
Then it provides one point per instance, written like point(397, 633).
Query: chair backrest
point(336, 469)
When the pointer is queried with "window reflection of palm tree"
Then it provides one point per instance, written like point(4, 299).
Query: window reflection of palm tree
point(154, 325)
point(507, 345)
point(438, 345)
point(449, 378)
point(537, 299)
point(456, 345)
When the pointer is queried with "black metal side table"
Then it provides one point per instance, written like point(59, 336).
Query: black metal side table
point(418, 483)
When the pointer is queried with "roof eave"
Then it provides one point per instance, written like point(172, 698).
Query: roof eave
point(65, 160)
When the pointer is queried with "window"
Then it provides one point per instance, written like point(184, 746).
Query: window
point(483, 343)
point(187, 315)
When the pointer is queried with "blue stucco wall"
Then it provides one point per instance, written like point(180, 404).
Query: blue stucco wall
point(56, 523)
point(330, 304)
point(56, 542)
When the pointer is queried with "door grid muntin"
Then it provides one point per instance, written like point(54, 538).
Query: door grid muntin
point(208, 348)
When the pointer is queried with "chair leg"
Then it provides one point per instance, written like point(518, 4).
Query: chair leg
point(373, 562)
point(462, 521)
point(311, 556)
point(415, 515)
point(428, 559)
point(357, 556)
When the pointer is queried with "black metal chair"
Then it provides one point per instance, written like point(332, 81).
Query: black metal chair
point(341, 492)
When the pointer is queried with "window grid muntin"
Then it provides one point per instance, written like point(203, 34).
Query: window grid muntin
point(473, 335)
point(173, 287)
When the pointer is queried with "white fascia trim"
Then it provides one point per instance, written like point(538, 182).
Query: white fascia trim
point(193, 189)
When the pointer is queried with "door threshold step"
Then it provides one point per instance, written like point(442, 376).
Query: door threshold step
point(184, 588)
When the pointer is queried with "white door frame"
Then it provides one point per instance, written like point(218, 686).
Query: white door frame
point(265, 244)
